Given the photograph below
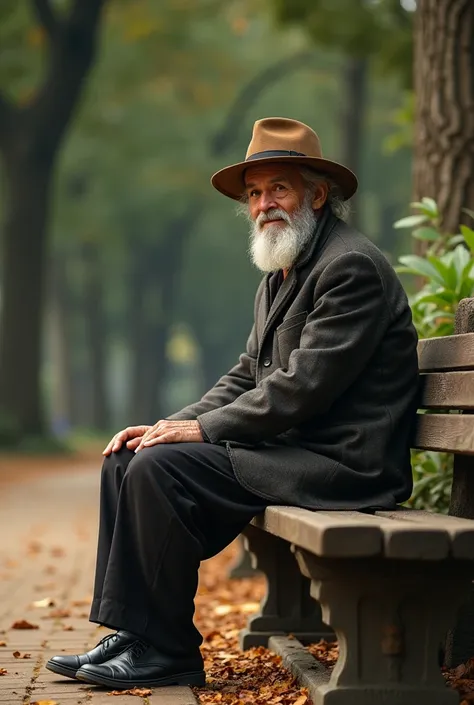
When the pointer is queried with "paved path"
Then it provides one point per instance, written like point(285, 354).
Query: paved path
point(47, 548)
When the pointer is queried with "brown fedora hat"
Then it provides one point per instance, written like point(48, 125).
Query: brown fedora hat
point(283, 140)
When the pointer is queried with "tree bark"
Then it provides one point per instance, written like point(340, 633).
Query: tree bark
point(96, 334)
point(444, 122)
point(29, 141)
point(23, 259)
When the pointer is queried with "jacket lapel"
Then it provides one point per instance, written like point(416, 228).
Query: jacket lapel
point(323, 228)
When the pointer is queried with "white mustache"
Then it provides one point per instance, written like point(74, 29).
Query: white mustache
point(274, 214)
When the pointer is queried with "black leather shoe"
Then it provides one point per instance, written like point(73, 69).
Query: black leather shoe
point(108, 647)
point(142, 665)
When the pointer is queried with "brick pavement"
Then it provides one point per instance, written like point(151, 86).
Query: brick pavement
point(47, 548)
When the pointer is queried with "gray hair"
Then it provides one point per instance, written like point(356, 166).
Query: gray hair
point(340, 208)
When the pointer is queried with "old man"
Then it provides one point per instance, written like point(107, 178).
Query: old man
point(317, 413)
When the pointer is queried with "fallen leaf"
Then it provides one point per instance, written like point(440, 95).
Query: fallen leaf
point(140, 692)
point(3, 643)
point(46, 602)
point(58, 552)
point(24, 624)
point(18, 654)
point(57, 614)
point(34, 547)
point(85, 602)
point(68, 628)
point(45, 702)
point(301, 700)
point(3, 671)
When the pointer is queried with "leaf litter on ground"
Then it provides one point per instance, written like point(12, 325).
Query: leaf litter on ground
point(256, 676)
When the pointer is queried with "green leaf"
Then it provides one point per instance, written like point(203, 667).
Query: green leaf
point(469, 212)
point(461, 258)
point(446, 269)
point(428, 206)
point(426, 234)
point(419, 265)
point(410, 221)
point(468, 235)
point(442, 300)
point(455, 240)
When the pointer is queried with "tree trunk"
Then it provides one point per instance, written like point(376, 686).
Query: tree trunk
point(444, 122)
point(95, 334)
point(62, 312)
point(23, 258)
point(354, 79)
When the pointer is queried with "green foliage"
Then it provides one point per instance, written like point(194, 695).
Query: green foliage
point(446, 269)
point(381, 30)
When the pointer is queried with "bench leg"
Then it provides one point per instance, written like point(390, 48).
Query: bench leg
point(243, 568)
point(287, 607)
point(390, 618)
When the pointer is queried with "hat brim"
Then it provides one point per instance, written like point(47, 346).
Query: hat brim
point(230, 180)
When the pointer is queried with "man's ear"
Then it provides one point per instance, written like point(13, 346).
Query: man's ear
point(320, 195)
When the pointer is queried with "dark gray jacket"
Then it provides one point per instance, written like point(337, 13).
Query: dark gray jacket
point(320, 409)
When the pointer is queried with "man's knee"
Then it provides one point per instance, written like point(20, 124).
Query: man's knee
point(117, 463)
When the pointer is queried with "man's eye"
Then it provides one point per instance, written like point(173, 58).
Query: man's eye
point(280, 187)
point(253, 193)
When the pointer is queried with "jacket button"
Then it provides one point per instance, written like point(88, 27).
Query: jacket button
point(267, 362)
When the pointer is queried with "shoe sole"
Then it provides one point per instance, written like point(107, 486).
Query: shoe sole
point(61, 669)
point(194, 678)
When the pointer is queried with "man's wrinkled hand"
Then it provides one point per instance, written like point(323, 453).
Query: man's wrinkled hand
point(131, 435)
point(171, 432)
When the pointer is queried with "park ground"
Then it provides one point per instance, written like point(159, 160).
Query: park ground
point(48, 514)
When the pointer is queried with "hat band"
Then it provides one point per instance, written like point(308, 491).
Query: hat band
point(274, 153)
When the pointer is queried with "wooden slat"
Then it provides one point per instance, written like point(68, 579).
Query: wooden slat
point(448, 390)
point(461, 531)
point(407, 541)
point(337, 535)
point(352, 534)
point(452, 352)
point(452, 433)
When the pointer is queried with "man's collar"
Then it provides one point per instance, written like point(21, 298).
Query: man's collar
point(323, 227)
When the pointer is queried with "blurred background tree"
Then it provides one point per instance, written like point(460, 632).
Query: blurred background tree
point(133, 281)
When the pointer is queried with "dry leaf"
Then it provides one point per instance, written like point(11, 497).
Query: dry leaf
point(3, 671)
point(46, 602)
point(3, 643)
point(58, 552)
point(57, 614)
point(23, 624)
point(85, 602)
point(301, 700)
point(34, 547)
point(140, 692)
point(17, 654)
point(45, 702)
point(68, 628)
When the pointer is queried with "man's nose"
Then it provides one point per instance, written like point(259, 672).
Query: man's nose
point(267, 201)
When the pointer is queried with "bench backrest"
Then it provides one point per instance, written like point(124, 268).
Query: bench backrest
point(447, 386)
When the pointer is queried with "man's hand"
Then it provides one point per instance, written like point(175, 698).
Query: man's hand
point(131, 435)
point(171, 432)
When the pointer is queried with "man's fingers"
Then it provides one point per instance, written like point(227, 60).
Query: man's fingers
point(129, 433)
point(134, 443)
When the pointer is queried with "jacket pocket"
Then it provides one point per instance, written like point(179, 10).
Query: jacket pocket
point(288, 336)
point(299, 319)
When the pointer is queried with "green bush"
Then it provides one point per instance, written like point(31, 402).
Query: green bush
point(446, 269)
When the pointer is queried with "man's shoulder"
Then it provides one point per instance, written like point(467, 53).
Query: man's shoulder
point(346, 240)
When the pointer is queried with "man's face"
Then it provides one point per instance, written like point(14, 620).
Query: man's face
point(273, 187)
point(281, 212)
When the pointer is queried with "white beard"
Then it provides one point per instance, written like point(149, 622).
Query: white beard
point(277, 246)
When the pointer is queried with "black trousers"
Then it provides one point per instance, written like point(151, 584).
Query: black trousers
point(162, 511)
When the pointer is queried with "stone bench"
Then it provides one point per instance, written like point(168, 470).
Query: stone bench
point(387, 585)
